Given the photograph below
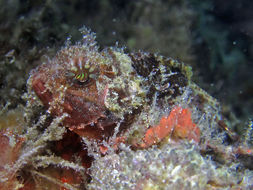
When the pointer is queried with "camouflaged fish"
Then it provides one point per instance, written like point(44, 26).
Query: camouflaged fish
point(105, 90)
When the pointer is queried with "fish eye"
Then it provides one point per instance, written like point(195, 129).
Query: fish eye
point(78, 79)
point(82, 77)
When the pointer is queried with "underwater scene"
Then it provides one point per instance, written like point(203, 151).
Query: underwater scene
point(124, 94)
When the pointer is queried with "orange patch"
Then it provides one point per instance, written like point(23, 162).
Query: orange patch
point(178, 124)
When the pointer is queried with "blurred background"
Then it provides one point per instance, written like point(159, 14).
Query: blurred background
point(213, 36)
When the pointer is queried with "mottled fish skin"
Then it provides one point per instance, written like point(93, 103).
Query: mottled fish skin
point(100, 90)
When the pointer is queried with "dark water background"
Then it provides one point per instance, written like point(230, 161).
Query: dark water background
point(213, 36)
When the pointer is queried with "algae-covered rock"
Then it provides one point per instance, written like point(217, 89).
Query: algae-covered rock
point(173, 166)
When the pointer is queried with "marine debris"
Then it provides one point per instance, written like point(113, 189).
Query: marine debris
point(118, 120)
